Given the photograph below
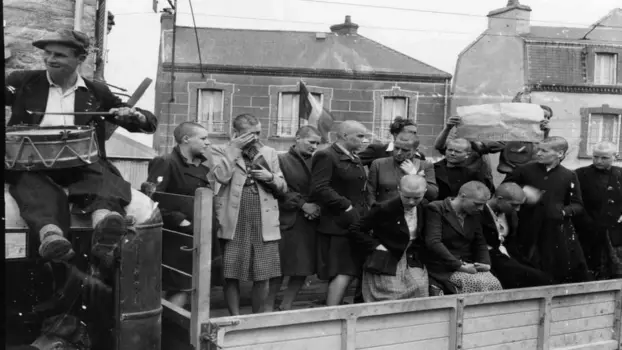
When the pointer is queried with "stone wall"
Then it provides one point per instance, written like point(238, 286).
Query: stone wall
point(29, 20)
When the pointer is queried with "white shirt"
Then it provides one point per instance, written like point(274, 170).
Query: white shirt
point(59, 101)
point(411, 221)
point(502, 228)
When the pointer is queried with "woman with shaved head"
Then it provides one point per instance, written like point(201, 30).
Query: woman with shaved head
point(546, 232)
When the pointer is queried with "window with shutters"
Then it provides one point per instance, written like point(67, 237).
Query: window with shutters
point(605, 69)
point(392, 107)
point(288, 119)
point(600, 124)
point(210, 110)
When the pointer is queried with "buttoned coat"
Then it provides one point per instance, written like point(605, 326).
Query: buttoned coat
point(338, 180)
point(448, 189)
point(227, 200)
point(385, 175)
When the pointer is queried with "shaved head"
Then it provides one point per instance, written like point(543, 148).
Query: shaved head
point(557, 143)
point(510, 191)
point(186, 129)
point(348, 127)
point(474, 190)
point(605, 147)
point(460, 142)
point(352, 135)
point(413, 183)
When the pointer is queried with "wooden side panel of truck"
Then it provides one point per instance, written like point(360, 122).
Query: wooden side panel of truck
point(573, 316)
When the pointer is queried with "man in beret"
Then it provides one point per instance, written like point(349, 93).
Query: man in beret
point(98, 188)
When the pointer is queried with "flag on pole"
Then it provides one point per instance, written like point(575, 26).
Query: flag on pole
point(312, 110)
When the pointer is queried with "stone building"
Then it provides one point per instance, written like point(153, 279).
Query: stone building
point(258, 72)
point(575, 71)
point(29, 20)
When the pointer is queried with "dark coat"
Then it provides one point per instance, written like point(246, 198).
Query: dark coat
point(386, 220)
point(450, 244)
point(513, 271)
point(602, 201)
point(29, 91)
point(384, 177)
point(546, 237)
point(177, 177)
point(338, 180)
point(447, 188)
point(379, 150)
point(297, 174)
point(298, 234)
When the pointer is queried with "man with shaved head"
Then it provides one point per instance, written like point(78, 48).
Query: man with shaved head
point(600, 226)
point(452, 172)
point(500, 223)
point(546, 232)
point(393, 268)
point(458, 256)
point(338, 186)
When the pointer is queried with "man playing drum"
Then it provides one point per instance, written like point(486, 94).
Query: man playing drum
point(96, 188)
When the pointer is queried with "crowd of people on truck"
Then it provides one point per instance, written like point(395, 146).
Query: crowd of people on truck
point(403, 227)
point(381, 214)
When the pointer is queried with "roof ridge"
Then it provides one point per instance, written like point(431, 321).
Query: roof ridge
point(256, 30)
point(403, 54)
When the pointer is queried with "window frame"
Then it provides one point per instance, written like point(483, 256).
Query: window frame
point(205, 123)
point(379, 95)
point(384, 129)
point(279, 119)
point(615, 58)
point(586, 117)
point(194, 89)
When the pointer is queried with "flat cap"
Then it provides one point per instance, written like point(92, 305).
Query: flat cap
point(68, 37)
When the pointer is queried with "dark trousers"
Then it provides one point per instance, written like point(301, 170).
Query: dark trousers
point(42, 200)
point(514, 274)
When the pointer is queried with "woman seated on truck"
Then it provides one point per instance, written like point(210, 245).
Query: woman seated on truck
point(457, 256)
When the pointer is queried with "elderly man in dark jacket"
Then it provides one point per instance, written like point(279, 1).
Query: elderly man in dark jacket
point(96, 188)
point(600, 226)
point(453, 171)
point(338, 186)
point(298, 218)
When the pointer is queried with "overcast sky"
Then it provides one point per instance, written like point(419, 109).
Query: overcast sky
point(431, 31)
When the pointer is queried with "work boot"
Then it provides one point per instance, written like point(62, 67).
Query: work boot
point(106, 239)
point(53, 245)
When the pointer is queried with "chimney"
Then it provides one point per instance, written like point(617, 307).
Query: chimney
point(345, 28)
point(513, 19)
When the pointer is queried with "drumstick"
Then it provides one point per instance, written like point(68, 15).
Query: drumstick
point(70, 113)
point(140, 91)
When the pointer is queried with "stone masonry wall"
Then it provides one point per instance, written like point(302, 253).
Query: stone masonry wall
point(29, 20)
point(258, 95)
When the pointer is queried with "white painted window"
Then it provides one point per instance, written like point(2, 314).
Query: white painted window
point(605, 69)
point(288, 119)
point(392, 107)
point(210, 113)
point(603, 127)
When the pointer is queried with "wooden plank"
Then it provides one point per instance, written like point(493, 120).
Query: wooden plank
point(283, 333)
point(176, 314)
point(580, 338)
point(348, 334)
point(171, 254)
point(502, 336)
point(581, 324)
point(489, 323)
point(430, 344)
point(582, 299)
point(173, 278)
point(484, 310)
point(601, 345)
point(544, 324)
point(329, 342)
point(402, 319)
point(583, 311)
point(529, 344)
point(202, 263)
point(617, 324)
point(401, 335)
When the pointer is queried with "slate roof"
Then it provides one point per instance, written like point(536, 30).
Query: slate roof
point(292, 50)
point(120, 146)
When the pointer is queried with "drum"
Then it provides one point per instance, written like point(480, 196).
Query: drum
point(31, 148)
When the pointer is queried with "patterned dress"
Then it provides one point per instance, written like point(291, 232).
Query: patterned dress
point(247, 257)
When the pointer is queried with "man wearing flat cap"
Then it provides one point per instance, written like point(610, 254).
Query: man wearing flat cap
point(96, 188)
